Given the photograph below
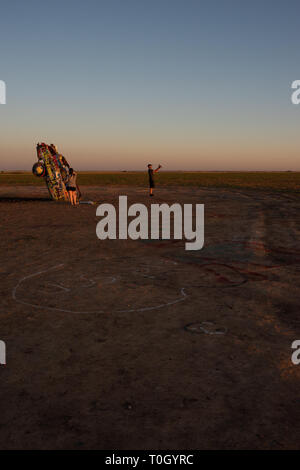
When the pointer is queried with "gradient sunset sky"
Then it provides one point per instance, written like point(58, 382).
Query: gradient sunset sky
point(193, 85)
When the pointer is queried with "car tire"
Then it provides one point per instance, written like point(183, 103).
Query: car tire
point(38, 169)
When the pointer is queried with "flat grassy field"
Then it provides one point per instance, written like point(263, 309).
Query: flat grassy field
point(281, 181)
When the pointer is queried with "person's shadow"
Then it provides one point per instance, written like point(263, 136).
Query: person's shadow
point(24, 199)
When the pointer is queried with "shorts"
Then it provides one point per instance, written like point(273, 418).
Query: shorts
point(151, 184)
point(71, 188)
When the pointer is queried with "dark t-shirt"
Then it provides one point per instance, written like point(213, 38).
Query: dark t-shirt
point(151, 180)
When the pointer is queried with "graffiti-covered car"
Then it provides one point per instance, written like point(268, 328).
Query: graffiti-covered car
point(54, 168)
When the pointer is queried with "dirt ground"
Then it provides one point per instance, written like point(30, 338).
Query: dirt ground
point(123, 344)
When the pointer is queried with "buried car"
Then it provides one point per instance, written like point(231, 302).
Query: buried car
point(54, 168)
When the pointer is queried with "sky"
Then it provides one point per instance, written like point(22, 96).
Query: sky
point(118, 84)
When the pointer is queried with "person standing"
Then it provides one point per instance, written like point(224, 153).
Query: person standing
point(72, 187)
point(151, 179)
